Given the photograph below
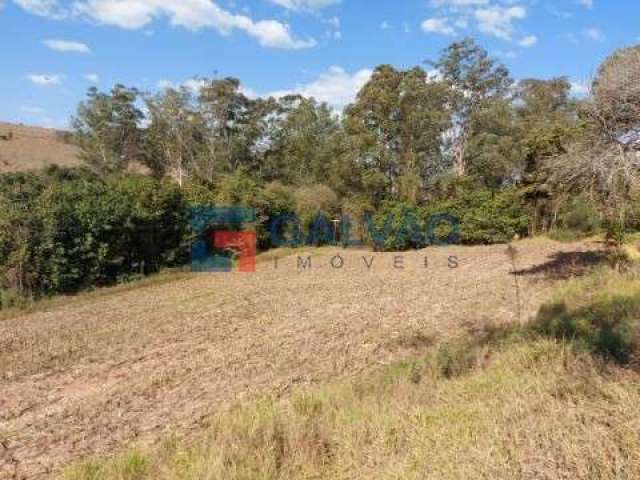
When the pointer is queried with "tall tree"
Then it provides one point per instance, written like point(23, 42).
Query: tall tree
point(107, 129)
point(615, 93)
point(175, 133)
point(475, 81)
point(304, 141)
point(547, 124)
point(234, 126)
point(604, 160)
point(397, 123)
point(494, 152)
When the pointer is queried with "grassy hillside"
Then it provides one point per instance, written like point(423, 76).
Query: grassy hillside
point(527, 402)
point(30, 148)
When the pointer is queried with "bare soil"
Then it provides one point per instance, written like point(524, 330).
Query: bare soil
point(24, 148)
point(104, 371)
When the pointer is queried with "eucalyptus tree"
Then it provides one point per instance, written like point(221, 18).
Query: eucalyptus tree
point(107, 127)
point(547, 125)
point(476, 82)
point(234, 127)
point(396, 125)
point(175, 137)
point(305, 140)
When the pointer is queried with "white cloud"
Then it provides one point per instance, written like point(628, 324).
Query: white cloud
point(556, 12)
point(67, 46)
point(528, 41)
point(459, 3)
point(336, 87)
point(190, 14)
point(194, 84)
point(33, 110)
point(509, 54)
point(385, 25)
point(91, 77)
point(491, 17)
point(43, 8)
point(580, 89)
point(305, 4)
point(594, 34)
point(44, 80)
point(498, 21)
point(438, 25)
point(164, 84)
point(586, 3)
point(334, 22)
point(461, 23)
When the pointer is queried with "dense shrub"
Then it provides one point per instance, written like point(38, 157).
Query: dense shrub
point(238, 189)
point(277, 202)
point(355, 212)
point(316, 206)
point(580, 214)
point(485, 216)
point(199, 195)
point(397, 226)
point(60, 237)
point(577, 218)
point(67, 229)
point(632, 223)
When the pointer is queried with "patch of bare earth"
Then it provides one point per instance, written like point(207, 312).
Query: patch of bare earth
point(31, 148)
point(89, 377)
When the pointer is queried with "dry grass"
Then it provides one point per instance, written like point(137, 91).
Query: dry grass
point(29, 306)
point(533, 410)
point(25, 148)
point(33, 148)
point(100, 372)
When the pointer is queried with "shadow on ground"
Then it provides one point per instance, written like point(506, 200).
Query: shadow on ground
point(565, 265)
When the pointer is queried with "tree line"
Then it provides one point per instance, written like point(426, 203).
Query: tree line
point(406, 132)
point(455, 135)
point(408, 135)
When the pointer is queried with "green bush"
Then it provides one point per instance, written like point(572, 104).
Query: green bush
point(633, 215)
point(316, 206)
point(355, 212)
point(63, 236)
point(486, 216)
point(581, 215)
point(199, 195)
point(397, 226)
point(277, 201)
point(578, 218)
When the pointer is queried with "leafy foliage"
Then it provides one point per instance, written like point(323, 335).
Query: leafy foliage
point(59, 237)
point(505, 160)
point(107, 129)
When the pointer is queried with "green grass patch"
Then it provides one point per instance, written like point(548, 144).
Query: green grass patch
point(600, 313)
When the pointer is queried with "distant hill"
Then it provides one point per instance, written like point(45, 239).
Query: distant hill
point(25, 148)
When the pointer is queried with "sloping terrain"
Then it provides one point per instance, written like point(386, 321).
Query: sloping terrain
point(105, 370)
point(25, 148)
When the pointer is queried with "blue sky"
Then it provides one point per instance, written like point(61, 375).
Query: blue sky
point(53, 50)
